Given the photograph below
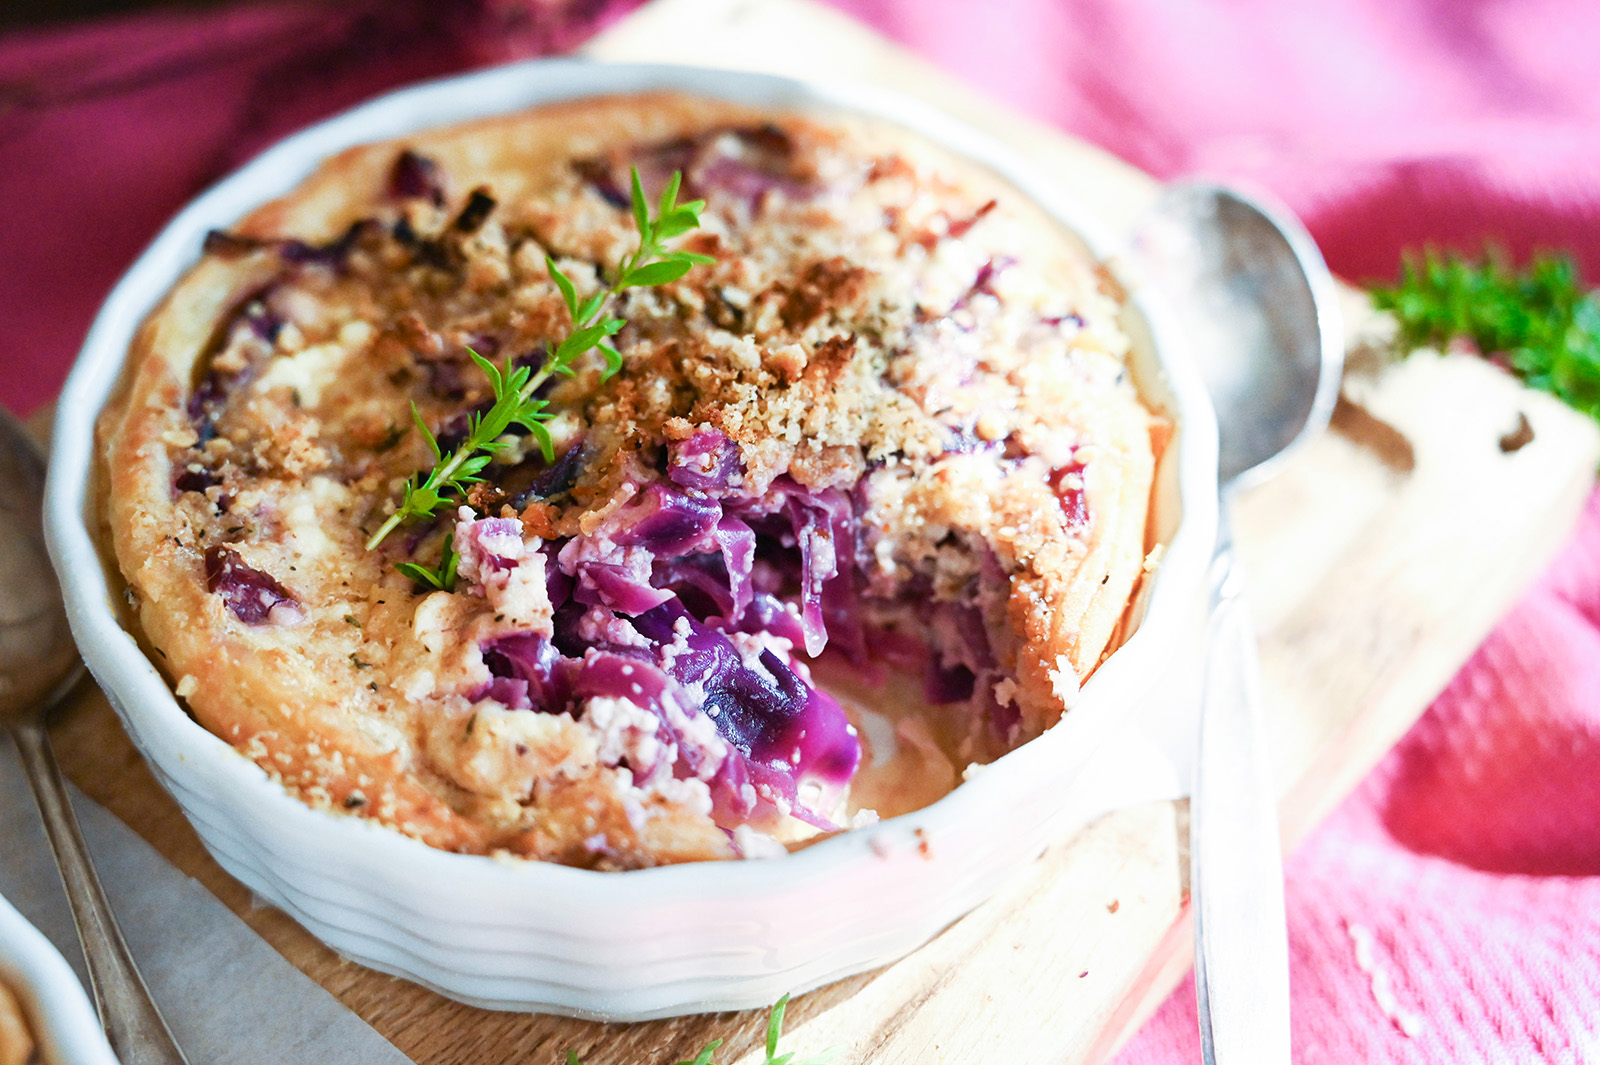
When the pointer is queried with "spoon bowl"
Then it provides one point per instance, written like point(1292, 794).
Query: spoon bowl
point(1259, 312)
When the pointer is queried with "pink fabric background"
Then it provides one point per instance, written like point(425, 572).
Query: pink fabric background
point(1473, 853)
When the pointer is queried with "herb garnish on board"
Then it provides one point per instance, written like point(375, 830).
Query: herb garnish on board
point(774, 1032)
point(514, 400)
point(1541, 322)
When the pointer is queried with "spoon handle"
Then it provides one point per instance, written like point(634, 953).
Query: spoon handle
point(133, 1026)
point(1236, 861)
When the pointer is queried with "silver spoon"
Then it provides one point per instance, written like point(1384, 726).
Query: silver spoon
point(1248, 291)
point(38, 666)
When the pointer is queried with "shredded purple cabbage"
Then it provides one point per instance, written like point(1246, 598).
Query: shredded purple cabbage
point(983, 283)
point(737, 164)
point(416, 177)
point(960, 657)
point(252, 316)
point(619, 587)
point(948, 684)
point(965, 441)
point(783, 730)
point(487, 545)
point(667, 521)
point(334, 254)
point(660, 607)
point(769, 614)
point(694, 602)
point(599, 176)
point(736, 544)
point(195, 479)
point(528, 671)
point(707, 461)
point(748, 163)
point(254, 597)
point(822, 527)
point(1068, 485)
point(1071, 318)
point(701, 582)
point(532, 481)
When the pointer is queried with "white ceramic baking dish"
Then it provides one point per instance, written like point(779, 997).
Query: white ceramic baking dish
point(658, 942)
point(63, 1022)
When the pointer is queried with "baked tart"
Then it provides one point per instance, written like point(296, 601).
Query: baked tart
point(863, 504)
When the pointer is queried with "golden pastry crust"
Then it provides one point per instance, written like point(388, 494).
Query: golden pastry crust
point(886, 331)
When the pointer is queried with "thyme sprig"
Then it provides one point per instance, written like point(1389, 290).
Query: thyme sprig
point(515, 387)
point(1540, 322)
point(442, 579)
point(774, 1031)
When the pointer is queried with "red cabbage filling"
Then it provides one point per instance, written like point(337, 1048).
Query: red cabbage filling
point(659, 607)
point(700, 600)
point(254, 597)
point(735, 164)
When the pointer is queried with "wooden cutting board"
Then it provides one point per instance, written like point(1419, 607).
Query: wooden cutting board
point(1376, 567)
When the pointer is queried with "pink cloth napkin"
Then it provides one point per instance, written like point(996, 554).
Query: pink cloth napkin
point(1449, 911)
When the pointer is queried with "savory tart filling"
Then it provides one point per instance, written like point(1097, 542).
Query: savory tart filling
point(883, 434)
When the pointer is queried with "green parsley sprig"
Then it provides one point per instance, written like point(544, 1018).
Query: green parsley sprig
point(774, 1031)
point(1540, 321)
point(514, 387)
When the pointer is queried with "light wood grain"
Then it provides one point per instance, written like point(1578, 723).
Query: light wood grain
point(1376, 567)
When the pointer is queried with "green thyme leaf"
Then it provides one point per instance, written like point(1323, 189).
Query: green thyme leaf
point(443, 578)
point(583, 340)
point(679, 220)
point(774, 1032)
point(775, 1025)
point(564, 283)
point(704, 1057)
point(641, 206)
point(427, 434)
point(547, 446)
point(669, 195)
point(586, 313)
point(659, 273)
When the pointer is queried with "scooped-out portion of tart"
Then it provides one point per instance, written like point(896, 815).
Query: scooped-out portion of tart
point(846, 493)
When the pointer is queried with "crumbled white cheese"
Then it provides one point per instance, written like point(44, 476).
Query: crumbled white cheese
point(355, 334)
point(692, 795)
point(622, 730)
point(1064, 682)
point(430, 624)
point(306, 372)
point(418, 685)
point(756, 844)
point(303, 517)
